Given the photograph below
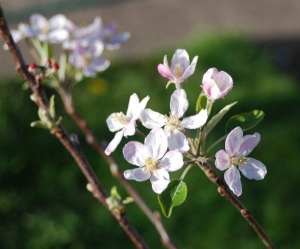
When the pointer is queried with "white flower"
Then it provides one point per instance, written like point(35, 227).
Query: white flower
point(152, 160)
point(181, 68)
point(234, 159)
point(125, 125)
point(173, 126)
point(52, 30)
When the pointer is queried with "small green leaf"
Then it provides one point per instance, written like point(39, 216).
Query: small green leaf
point(38, 124)
point(246, 120)
point(62, 67)
point(174, 195)
point(52, 106)
point(201, 102)
point(215, 119)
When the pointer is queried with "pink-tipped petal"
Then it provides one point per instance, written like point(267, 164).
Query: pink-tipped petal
point(248, 143)
point(233, 179)
point(233, 141)
point(139, 174)
point(211, 89)
point(224, 82)
point(254, 169)
point(180, 57)
point(136, 153)
point(160, 180)
point(164, 71)
point(157, 143)
point(222, 160)
point(172, 161)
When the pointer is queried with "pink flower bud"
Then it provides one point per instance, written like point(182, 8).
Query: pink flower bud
point(55, 66)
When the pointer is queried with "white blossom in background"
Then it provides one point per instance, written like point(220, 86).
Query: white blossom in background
point(180, 69)
point(94, 33)
point(53, 30)
point(172, 125)
point(234, 159)
point(125, 124)
point(88, 59)
point(216, 84)
point(152, 160)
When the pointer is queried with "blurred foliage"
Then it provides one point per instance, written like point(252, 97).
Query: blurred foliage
point(44, 203)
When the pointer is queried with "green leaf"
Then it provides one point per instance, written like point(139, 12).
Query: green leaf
point(215, 119)
point(38, 124)
point(52, 106)
point(62, 67)
point(174, 195)
point(246, 120)
point(201, 102)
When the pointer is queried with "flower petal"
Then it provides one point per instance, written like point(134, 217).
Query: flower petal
point(196, 121)
point(172, 161)
point(132, 105)
point(58, 36)
point(114, 143)
point(211, 89)
point(89, 72)
point(248, 143)
point(160, 180)
point(157, 143)
point(233, 179)
point(136, 153)
point(130, 128)
point(99, 64)
point(180, 58)
point(254, 169)
point(210, 74)
point(233, 141)
point(179, 103)
point(190, 69)
point(139, 174)
point(57, 22)
point(177, 141)
point(38, 22)
point(224, 82)
point(113, 122)
point(164, 71)
point(222, 160)
point(151, 119)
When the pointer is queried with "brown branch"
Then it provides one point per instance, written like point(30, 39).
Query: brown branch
point(225, 192)
point(92, 140)
point(60, 133)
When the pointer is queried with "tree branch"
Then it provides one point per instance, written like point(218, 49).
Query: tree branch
point(92, 140)
point(225, 192)
point(60, 133)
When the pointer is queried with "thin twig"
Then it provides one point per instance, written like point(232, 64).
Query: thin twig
point(225, 192)
point(60, 133)
point(92, 140)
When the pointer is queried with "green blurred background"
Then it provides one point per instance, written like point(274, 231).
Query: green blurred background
point(43, 198)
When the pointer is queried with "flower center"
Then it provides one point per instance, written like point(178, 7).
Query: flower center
point(121, 118)
point(151, 165)
point(88, 59)
point(178, 71)
point(239, 160)
point(172, 123)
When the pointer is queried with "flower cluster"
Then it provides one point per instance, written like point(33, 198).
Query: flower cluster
point(164, 149)
point(84, 45)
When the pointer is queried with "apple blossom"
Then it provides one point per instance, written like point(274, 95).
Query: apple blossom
point(234, 159)
point(88, 58)
point(125, 125)
point(53, 30)
point(180, 70)
point(152, 160)
point(216, 84)
point(172, 125)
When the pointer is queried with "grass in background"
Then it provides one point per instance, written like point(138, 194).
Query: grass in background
point(43, 199)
